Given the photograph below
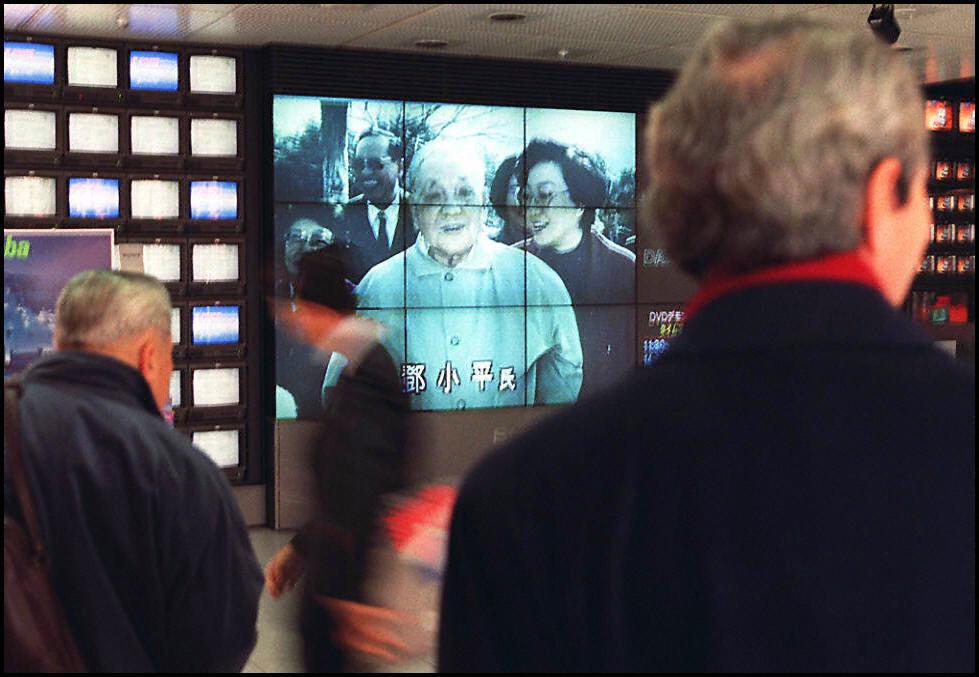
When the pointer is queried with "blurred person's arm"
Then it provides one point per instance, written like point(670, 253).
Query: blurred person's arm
point(212, 579)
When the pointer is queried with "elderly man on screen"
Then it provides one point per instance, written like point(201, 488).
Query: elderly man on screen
point(468, 326)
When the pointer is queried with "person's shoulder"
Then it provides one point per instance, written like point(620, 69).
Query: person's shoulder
point(357, 201)
point(613, 249)
point(564, 453)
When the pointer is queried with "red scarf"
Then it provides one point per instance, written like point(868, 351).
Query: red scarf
point(847, 267)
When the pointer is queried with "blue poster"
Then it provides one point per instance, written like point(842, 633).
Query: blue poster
point(36, 266)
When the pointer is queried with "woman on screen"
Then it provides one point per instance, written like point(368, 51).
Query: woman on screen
point(503, 197)
point(565, 186)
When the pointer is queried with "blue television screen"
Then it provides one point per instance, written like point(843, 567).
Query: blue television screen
point(153, 71)
point(213, 200)
point(29, 63)
point(93, 198)
point(214, 325)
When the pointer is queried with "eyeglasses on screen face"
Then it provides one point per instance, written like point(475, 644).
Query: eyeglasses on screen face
point(376, 164)
point(543, 198)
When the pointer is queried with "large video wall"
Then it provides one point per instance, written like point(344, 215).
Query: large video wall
point(496, 245)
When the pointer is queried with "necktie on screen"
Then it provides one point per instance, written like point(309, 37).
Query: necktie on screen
point(382, 230)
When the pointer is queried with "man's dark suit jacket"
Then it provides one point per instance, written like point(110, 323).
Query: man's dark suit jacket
point(356, 232)
point(791, 488)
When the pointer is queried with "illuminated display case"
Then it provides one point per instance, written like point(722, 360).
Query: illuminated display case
point(942, 296)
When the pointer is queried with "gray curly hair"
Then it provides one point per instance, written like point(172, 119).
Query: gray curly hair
point(760, 152)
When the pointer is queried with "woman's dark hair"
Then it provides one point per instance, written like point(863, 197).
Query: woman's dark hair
point(584, 173)
point(324, 278)
point(501, 186)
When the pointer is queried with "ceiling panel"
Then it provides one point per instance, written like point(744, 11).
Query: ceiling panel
point(742, 11)
point(305, 24)
point(170, 22)
point(16, 13)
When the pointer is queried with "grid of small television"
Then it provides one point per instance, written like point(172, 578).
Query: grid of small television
point(944, 292)
point(147, 141)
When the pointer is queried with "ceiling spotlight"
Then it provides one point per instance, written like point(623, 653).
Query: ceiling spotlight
point(563, 53)
point(507, 16)
point(122, 22)
point(431, 44)
point(883, 23)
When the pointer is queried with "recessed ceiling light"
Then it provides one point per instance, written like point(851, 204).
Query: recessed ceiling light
point(507, 16)
point(431, 44)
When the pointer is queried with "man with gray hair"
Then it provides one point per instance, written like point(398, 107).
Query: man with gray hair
point(148, 551)
point(453, 302)
point(774, 495)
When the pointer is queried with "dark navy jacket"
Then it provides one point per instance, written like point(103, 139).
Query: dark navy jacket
point(791, 488)
point(149, 553)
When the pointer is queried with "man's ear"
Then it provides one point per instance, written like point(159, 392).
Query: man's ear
point(885, 193)
point(146, 355)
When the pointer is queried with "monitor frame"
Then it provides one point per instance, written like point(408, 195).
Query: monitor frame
point(233, 473)
point(225, 352)
point(180, 413)
point(217, 226)
point(152, 97)
point(115, 222)
point(37, 92)
point(237, 412)
point(96, 96)
point(60, 200)
point(35, 158)
point(147, 162)
point(204, 101)
point(154, 226)
point(208, 162)
point(88, 159)
point(176, 288)
point(180, 349)
point(236, 288)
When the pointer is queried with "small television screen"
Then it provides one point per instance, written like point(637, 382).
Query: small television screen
point(216, 387)
point(963, 171)
point(214, 263)
point(93, 198)
point(29, 130)
point(28, 63)
point(213, 200)
point(213, 74)
point(215, 325)
point(213, 138)
point(93, 133)
point(944, 203)
point(938, 116)
point(965, 233)
point(162, 261)
point(154, 199)
point(967, 203)
point(151, 135)
point(155, 71)
point(967, 117)
point(175, 394)
point(175, 325)
point(30, 196)
point(92, 67)
point(943, 170)
point(221, 446)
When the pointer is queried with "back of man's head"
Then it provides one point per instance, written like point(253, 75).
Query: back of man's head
point(99, 309)
point(761, 151)
point(324, 278)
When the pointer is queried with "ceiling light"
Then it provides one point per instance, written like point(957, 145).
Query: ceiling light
point(431, 44)
point(507, 16)
point(883, 23)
